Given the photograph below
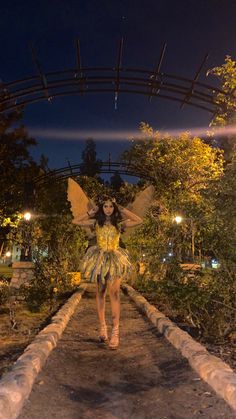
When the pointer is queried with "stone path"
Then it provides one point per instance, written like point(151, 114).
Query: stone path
point(145, 378)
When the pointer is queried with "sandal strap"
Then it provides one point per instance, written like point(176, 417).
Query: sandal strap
point(114, 342)
point(115, 331)
point(103, 327)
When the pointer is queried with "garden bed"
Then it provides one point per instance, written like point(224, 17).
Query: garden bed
point(17, 331)
point(224, 349)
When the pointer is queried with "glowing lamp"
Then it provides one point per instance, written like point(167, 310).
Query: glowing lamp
point(178, 219)
point(27, 216)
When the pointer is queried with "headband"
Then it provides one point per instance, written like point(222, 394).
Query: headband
point(103, 199)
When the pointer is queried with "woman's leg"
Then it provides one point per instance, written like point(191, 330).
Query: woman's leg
point(100, 300)
point(114, 292)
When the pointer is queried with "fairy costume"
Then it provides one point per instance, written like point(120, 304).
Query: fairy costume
point(106, 260)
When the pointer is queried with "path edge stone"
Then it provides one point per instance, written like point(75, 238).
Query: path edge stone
point(210, 368)
point(16, 385)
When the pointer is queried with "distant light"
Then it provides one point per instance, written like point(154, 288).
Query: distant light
point(164, 259)
point(8, 254)
point(215, 264)
point(178, 219)
point(27, 216)
point(143, 254)
point(170, 243)
point(170, 254)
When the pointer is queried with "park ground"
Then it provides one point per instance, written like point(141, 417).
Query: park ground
point(145, 378)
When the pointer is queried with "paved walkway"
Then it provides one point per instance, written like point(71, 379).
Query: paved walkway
point(145, 378)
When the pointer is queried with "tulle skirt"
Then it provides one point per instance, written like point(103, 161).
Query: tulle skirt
point(101, 265)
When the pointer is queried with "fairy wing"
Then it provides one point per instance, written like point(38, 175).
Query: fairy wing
point(143, 200)
point(79, 201)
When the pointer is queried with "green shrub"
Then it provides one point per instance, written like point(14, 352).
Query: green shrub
point(205, 300)
point(4, 291)
point(50, 283)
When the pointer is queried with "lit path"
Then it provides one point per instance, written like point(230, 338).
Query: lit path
point(145, 378)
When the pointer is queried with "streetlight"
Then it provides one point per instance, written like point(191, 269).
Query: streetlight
point(178, 219)
point(27, 216)
point(7, 257)
point(26, 248)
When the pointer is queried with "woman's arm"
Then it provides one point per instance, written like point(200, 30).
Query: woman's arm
point(130, 219)
point(86, 220)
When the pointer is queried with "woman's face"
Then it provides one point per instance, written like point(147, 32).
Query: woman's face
point(108, 208)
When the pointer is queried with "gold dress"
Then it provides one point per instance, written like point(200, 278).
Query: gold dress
point(106, 260)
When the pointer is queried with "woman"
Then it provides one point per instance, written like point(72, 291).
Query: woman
point(107, 263)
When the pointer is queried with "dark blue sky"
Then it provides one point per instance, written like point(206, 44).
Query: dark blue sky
point(190, 27)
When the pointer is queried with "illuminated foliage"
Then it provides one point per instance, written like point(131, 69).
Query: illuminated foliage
point(227, 75)
point(181, 166)
point(183, 170)
point(190, 179)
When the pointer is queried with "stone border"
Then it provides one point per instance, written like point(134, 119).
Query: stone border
point(210, 368)
point(16, 385)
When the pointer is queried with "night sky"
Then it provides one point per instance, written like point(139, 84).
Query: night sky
point(191, 29)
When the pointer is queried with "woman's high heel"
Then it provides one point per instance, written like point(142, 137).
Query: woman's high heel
point(103, 333)
point(114, 342)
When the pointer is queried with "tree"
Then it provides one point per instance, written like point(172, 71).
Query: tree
point(227, 98)
point(90, 165)
point(127, 193)
point(191, 179)
point(182, 169)
point(222, 220)
point(93, 187)
point(223, 226)
point(17, 168)
point(116, 181)
point(57, 244)
point(16, 164)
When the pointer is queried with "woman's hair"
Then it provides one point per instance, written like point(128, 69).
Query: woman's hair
point(100, 217)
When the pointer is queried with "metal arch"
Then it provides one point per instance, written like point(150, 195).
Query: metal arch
point(104, 80)
point(118, 79)
point(75, 171)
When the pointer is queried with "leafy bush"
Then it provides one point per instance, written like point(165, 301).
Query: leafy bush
point(4, 291)
point(205, 300)
point(57, 244)
point(51, 282)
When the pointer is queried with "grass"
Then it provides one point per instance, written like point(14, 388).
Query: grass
point(14, 340)
point(5, 271)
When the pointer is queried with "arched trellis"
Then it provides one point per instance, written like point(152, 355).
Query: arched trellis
point(117, 79)
point(75, 171)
